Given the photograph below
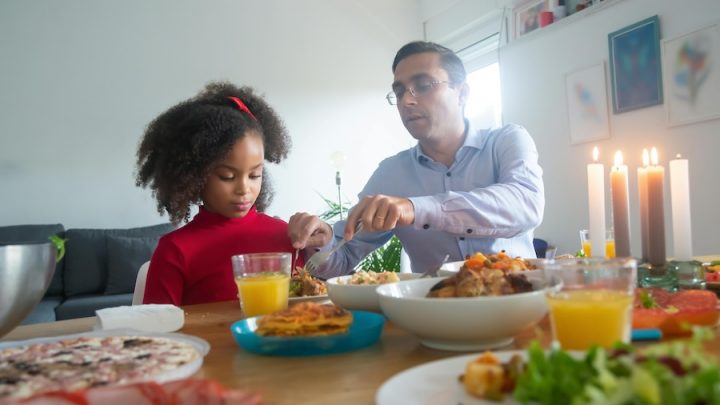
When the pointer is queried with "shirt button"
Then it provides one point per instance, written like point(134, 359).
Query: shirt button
point(462, 238)
point(448, 174)
point(469, 231)
point(426, 226)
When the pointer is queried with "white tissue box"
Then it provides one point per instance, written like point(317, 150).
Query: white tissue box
point(149, 318)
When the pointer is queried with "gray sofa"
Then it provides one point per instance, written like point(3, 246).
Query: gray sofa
point(98, 270)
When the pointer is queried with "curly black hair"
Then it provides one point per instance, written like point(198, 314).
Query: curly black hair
point(180, 147)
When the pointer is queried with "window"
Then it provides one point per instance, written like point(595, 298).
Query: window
point(484, 107)
point(473, 30)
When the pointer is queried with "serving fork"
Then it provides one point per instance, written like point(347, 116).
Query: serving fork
point(319, 258)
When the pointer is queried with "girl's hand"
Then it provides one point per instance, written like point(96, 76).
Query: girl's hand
point(308, 231)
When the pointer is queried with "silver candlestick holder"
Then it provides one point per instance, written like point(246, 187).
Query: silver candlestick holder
point(657, 276)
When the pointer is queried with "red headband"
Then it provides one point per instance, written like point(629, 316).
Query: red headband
point(242, 106)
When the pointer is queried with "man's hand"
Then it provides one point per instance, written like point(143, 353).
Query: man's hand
point(380, 213)
point(308, 231)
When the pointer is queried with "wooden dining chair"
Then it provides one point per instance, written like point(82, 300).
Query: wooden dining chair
point(139, 291)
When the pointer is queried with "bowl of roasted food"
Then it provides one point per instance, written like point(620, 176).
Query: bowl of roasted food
point(500, 260)
point(357, 291)
point(475, 309)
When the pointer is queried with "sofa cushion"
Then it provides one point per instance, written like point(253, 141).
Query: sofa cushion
point(125, 256)
point(18, 234)
point(82, 306)
point(44, 311)
point(86, 259)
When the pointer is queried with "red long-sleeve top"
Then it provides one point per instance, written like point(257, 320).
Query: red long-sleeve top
point(192, 265)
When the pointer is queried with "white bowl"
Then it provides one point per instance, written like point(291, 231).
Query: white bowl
point(358, 296)
point(461, 324)
point(448, 269)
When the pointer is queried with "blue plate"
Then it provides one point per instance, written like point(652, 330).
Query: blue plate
point(364, 331)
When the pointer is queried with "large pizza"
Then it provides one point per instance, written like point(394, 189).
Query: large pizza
point(85, 362)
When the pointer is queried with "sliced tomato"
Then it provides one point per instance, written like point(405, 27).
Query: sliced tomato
point(694, 307)
point(681, 323)
point(694, 300)
point(648, 318)
point(660, 296)
point(676, 312)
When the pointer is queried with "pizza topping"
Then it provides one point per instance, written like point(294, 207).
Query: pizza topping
point(88, 361)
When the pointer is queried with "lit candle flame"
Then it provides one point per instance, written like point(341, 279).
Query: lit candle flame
point(618, 158)
point(596, 154)
point(645, 157)
point(678, 156)
point(654, 156)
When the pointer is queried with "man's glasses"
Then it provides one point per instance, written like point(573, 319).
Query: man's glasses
point(420, 89)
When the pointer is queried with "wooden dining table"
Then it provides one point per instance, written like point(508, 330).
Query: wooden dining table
point(351, 377)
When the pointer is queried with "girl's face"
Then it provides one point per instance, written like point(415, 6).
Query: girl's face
point(234, 182)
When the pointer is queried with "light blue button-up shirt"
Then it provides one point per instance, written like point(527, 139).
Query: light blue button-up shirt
point(490, 199)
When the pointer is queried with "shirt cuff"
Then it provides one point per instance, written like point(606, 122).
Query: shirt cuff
point(428, 213)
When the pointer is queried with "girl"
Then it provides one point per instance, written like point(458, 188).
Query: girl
point(209, 150)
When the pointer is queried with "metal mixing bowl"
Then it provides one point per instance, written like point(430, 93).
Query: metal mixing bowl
point(25, 274)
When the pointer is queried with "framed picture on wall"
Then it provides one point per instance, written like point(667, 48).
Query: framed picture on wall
point(691, 80)
point(587, 107)
point(527, 16)
point(635, 66)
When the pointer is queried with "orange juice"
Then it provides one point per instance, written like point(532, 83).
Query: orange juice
point(610, 248)
point(263, 293)
point(587, 249)
point(582, 318)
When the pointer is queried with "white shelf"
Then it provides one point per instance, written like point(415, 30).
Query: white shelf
point(578, 15)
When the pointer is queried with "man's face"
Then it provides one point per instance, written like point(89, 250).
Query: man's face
point(438, 105)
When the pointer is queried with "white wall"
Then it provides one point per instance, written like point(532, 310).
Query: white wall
point(533, 75)
point(80, 80)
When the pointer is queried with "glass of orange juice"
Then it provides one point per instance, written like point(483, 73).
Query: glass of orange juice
point(610, 243)
point(263, 281)
point(585, 242)
point(590, 301)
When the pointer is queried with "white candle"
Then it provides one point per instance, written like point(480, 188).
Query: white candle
point(596, 204)
point(620, 206)
point(642, 194)
point(656, 210)
point(680, 198)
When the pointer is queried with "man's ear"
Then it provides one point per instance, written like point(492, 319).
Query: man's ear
point(464, 93)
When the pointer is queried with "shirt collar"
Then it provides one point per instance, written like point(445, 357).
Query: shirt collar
point(473, 139)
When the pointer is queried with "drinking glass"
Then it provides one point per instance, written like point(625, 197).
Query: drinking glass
point(585, 242)
point(590, 301)
point(610, 243)
point(263, 281)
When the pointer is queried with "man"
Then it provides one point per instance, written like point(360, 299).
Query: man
point(460, 190)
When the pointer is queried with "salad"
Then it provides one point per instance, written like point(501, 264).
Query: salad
point(674, 372)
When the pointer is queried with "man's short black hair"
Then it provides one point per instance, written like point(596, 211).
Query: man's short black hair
point(449, 60)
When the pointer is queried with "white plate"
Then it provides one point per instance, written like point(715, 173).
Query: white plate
point(294, 300)
point(435, 383)
point(448, 269)
point(201, 345)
